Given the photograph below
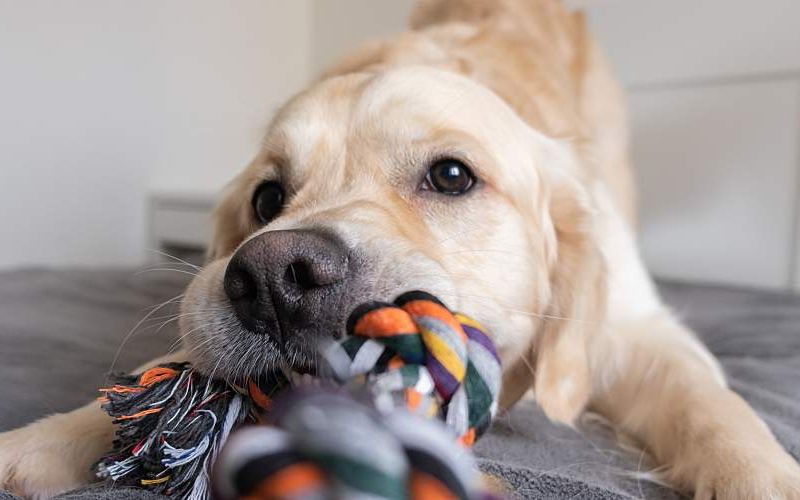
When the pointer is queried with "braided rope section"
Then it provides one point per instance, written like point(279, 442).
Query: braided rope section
point(418, 354)
point(172, 422)
point(329, 446)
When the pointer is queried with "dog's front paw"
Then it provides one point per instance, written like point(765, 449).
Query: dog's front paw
point(752, 476)
point(35, 465)
point(53, 455)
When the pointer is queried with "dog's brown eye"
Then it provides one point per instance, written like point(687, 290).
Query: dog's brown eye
point(449, 177)
point(268, 201)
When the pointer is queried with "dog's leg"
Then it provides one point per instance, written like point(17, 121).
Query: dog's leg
point(666, 391)
point(56, 453)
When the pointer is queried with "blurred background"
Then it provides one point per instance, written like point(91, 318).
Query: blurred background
point(120, 121)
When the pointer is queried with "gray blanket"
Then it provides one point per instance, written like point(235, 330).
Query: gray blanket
point(60, 330)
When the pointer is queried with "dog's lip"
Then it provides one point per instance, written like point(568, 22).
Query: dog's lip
point(301, 375)
point(298, 370)
point(304, 370)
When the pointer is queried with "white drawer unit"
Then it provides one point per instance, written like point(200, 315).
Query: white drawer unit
point(179, 220)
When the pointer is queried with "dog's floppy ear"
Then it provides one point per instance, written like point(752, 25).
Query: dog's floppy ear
point(562, 383)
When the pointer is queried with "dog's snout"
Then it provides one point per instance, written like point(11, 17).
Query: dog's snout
point(283, 280)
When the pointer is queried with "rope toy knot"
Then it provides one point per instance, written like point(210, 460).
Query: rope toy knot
point(417, 353)
point(327, 445)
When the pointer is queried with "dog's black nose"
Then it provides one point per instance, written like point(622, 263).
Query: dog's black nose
point(283, 281)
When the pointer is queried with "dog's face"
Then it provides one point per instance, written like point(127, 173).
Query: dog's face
point(369, 186)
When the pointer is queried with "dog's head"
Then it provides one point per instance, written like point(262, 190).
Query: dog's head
point(370, 185)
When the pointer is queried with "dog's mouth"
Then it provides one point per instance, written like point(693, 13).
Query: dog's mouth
point(238, 332)
point(293, 368)
point(281, 374)
point(303, 378)
point(300, 372)
point(231, 353)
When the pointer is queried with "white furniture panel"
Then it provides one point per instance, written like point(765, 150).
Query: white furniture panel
point(717, 170)
point(652, 41)
point(179, 218)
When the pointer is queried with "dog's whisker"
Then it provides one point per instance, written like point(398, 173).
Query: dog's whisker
point(528, 313)
point(173, 299)
point(179, 271)
point(192, 330)
point(176, 259)
point(241, 363)
point(197, 348)
point(173, 317)
point(186, 335)
point(136, 326)
point(493, 301)
point(485, 250)
point(185, 314)
point(214, 370)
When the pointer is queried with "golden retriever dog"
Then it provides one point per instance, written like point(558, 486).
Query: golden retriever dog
point(481, 156)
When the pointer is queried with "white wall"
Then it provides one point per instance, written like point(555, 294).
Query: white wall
point(227, 66)
point(77, 114)
point(714, 89)
point(104, 100)
point(340, 25)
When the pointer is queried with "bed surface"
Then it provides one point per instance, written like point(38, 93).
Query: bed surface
point(60, 331)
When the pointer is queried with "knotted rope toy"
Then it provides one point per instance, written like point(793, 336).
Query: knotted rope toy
point(369, 434)
point(417, 349)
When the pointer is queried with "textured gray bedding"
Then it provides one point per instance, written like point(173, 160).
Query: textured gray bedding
point(60, 330)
